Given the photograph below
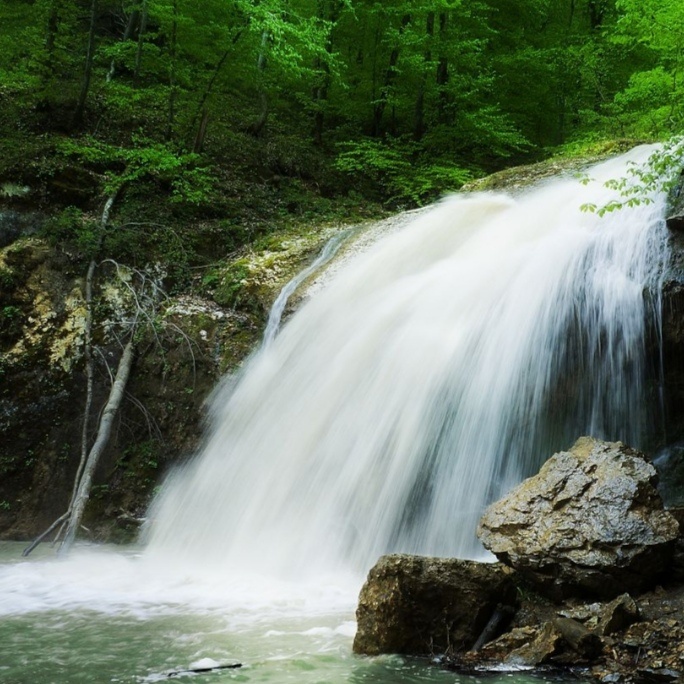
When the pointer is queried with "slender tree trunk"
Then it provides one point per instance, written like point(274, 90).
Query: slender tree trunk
point(329, 12)
point(201, 113)
point(419, 112)
point(198, 145)
point(103, 434)
point(320, 96)
point(171, 119)
point(52, 31)
point(562, 104)
point(88, 349)
point(128, 32)
point(597, 13)
point(442, 76)
point(88, 355)
point(141, 38)
point(374, 62)
point(258, 126)
point(48, 61)
point(390, 76)
point(88, 70)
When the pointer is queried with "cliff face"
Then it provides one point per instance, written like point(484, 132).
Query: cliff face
point(42, 391)
point(192, 340)
point(188, 342)
point(673, 339)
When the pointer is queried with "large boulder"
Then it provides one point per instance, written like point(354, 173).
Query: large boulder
point(589, 524)
point(425, 606)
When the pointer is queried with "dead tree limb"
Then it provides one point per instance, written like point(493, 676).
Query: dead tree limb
point(104, 431)
point(42, 536)
point(88, 355)
point(128, 32)
point(89, 370)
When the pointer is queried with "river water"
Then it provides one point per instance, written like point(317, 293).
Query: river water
point(107, 615)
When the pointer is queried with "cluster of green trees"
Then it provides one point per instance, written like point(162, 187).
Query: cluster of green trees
point(406, 98)
point(203, 125)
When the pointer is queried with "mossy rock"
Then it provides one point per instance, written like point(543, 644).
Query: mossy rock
point(572, 163)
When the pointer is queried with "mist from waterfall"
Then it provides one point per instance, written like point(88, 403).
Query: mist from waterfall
point(435, 371)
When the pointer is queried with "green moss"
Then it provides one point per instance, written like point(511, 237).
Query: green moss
point(231, 291)
point(139, 465)
point(8, 279)
point(570, 159)
point(9, 313)
point(596, 149)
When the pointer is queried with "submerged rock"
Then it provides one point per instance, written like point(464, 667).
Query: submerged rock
point(589, 524)
point(426, 606)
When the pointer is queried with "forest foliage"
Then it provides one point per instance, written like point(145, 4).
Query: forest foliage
point(168, 135)
point(395, 102)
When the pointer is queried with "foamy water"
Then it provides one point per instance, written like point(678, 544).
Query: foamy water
point(429, 376)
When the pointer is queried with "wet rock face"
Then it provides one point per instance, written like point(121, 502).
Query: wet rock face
point(589, 524)
point(14, 224)
point(42, 390)
point(672, 335)
point(424, 606)
point(675, 217)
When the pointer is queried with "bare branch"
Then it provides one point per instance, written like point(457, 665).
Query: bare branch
point(104, 431)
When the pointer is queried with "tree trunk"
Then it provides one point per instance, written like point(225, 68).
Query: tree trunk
point(48, 60)
point(201, 107)
point(330, 13)
point(597, 12)
point(141, 37)
point(390, 76)
point(104, 432)
point(172, 74)
point(419, 112)
point(258, 126)
point(52, 31)
point(198, 145)
point(442, 76)
point(88, 349)
point(77, 118)
point(128, 32)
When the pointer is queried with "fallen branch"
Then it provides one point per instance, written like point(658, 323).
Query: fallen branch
point(42, 536)
point(88, 349)
point(104, 431)
point(493, 628)
point(89, 370)
point(198, 670)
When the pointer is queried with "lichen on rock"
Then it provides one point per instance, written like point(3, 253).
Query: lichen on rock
point(590, 523)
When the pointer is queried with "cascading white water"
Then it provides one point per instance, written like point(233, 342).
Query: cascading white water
point(433, 372)
point(276, 314)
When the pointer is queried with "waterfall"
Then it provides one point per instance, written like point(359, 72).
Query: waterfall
point(276, 314)
point(431, 374)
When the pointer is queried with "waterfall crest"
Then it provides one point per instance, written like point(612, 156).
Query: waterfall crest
point(434, 372)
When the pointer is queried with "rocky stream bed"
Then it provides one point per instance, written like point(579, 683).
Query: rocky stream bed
point(590, 580)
